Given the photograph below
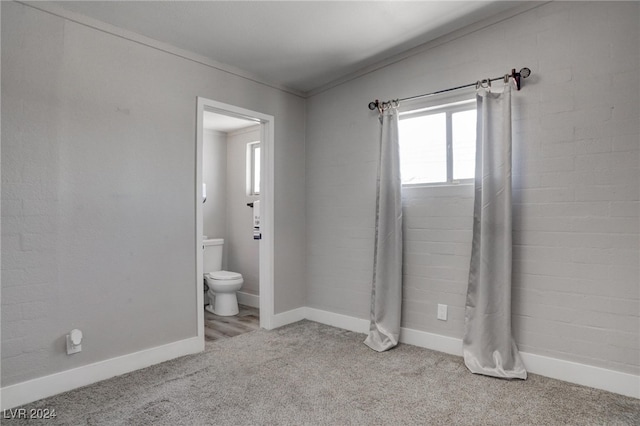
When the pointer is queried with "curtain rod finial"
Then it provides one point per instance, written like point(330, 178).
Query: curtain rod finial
point(517, 76)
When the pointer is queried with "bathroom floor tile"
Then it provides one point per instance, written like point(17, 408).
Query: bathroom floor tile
point(217, 327)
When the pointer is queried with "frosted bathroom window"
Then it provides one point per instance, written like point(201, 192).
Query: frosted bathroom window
point(256, 170)
point(253, 168)
point(437, 144)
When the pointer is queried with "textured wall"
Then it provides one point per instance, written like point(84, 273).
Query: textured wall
point(98, 219)
point(214, 174)
point(576, 185)
point(242, 250)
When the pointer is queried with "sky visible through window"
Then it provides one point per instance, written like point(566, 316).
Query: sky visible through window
point(463, 126)
point(423, 147)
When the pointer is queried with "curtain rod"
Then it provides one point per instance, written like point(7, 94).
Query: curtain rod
point(516, 76)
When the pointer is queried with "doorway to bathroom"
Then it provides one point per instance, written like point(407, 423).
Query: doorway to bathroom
point(234, 174)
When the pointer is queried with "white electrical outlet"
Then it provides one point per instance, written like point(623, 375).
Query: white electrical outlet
point(442, 312)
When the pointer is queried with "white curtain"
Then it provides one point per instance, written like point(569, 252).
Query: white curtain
point(386, 291)
point(488, 344)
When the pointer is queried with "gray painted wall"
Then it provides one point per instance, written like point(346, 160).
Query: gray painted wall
point(214, 174)
point(241, 249)
point(576, 185)
point(98, 166)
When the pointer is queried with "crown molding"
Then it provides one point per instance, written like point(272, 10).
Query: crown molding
point(113, 30)
point(447, 38)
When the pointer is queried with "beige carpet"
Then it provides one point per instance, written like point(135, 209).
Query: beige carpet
point(311, 374)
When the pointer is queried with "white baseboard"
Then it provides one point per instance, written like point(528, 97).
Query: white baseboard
point(42, 387)
point(582, 374)
point(288, 317)
point(568, 371)
point(435, 342)
point(248, 299)
point(345, 322)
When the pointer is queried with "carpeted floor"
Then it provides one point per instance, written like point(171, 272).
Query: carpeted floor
point(311, 374)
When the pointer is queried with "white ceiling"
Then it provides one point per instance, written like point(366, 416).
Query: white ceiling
point(225, 123)
point(301, 45)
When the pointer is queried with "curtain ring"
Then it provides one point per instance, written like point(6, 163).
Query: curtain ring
point(484, 84)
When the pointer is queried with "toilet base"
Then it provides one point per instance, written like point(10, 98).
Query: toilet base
point(223, 304)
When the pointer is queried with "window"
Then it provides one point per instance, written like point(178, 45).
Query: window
point(438, 144)
point(253, 168)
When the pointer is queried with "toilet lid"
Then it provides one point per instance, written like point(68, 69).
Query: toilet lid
point(224, 275)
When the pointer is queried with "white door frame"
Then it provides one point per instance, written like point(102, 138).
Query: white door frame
point(267, 124)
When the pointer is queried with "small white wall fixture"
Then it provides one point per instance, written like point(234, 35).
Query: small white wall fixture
point(266, 207)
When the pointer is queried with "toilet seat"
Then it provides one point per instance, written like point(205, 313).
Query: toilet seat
point(223, 275)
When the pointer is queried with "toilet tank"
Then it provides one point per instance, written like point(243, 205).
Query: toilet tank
point(212, 256)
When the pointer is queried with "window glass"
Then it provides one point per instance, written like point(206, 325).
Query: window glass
point(463, 128)
point(256, 169)
point(253, 168)
point(423, 149)
point(438, 144)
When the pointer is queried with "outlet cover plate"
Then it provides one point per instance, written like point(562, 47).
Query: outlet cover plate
point(442, 312)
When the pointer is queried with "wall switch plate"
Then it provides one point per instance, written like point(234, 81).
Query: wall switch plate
point(442, 312)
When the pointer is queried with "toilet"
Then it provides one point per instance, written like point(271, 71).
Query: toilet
point(223, 285)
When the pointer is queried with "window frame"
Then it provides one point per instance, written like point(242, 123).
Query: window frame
point(251, 167)
point(448, 108)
